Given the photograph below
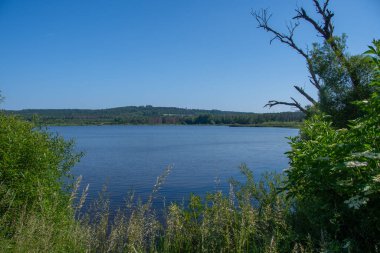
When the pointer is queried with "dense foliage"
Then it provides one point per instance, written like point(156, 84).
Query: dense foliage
point(334, 175)
point(33, 167)
point(156, 115)
point(337, 93)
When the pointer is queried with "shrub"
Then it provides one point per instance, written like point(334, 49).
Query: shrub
point(334, 176)
point(34, 166)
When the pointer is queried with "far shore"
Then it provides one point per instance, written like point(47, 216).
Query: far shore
point(265, 124)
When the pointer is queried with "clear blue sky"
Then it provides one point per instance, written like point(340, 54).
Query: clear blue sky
point(194, 54)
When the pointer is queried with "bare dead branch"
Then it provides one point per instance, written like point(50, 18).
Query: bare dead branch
point(307, 96)
point(314, 80)
point(263, 18)
point(272, 103)
point(326, 30)
point(301, 14)
point(325, 5)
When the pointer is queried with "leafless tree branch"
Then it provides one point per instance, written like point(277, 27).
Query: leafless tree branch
point(307, 96)
point(263, 18)
point(295, 103)
point(326, 30)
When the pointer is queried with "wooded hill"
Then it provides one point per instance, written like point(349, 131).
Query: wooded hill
point(156, 115)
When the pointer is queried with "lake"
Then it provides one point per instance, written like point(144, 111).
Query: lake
point(203, 158)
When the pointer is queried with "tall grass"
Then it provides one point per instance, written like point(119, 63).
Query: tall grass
point(36, 228)
point(253, 217)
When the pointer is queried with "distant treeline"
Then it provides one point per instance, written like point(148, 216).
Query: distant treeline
point(157, 115)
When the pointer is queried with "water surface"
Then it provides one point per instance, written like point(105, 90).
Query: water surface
point(203, 157)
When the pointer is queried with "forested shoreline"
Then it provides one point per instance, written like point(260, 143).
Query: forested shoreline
point(149, 115)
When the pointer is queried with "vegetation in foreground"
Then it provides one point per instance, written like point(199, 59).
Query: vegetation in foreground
point(328, 200)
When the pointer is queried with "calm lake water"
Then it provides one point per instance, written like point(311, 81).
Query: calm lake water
point(203, 157)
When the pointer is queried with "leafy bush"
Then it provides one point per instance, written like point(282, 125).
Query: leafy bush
point(33, 168)
point(334, 176)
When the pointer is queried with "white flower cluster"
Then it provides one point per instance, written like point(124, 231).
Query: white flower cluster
point(356, 202)
point(354, 164)
point(368, 154)
point(376, 178)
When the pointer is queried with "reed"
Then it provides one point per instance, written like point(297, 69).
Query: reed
point(252, 217)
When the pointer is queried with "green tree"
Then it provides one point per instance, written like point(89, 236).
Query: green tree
point(34, 168)
point(334, 175)
point(340, 79)
point(337, 91)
